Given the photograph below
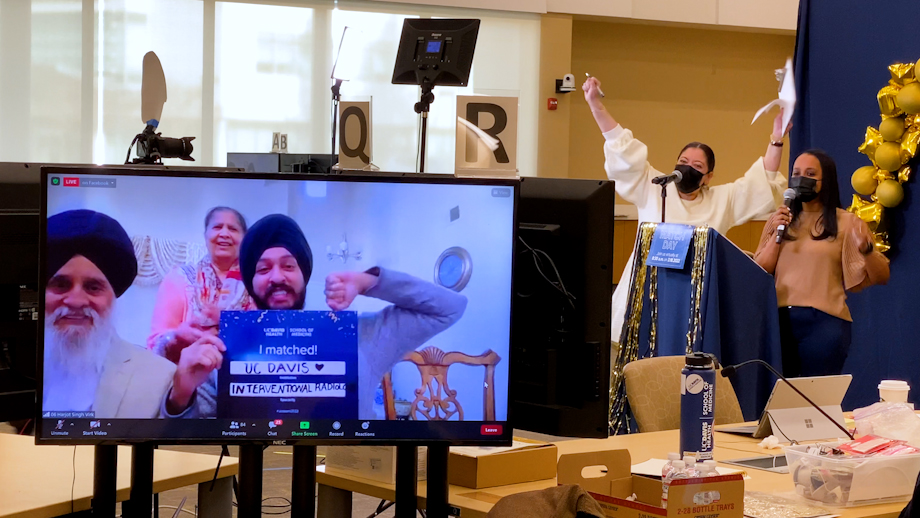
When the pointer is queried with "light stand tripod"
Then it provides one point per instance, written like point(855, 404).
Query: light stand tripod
point(336, 97)
point(422, 107)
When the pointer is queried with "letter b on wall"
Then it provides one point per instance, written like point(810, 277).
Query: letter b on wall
point(486, 133)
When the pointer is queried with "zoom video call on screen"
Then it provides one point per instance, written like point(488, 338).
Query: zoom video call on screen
point(217, 308)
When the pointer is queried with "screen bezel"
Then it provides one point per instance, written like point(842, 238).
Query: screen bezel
point(503, 439)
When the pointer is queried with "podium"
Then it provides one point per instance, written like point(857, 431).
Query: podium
point(721, 302)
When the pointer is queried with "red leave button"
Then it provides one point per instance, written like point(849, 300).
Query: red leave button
point(491, 429)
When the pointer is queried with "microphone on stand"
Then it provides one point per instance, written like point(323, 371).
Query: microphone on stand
point(676, 176)
point(729, 370)
point(788, 198)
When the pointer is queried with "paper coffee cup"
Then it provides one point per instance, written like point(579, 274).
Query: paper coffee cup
point(893, 391)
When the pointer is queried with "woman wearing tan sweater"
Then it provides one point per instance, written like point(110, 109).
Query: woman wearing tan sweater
point(825, 252)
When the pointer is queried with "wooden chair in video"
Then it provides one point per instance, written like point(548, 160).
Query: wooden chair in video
point(434, 399)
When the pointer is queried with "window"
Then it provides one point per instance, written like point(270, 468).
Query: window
point(73, 93)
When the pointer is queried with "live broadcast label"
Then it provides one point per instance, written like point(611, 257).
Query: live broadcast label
point(287, 364)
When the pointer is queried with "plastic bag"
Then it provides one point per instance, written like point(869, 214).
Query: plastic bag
point(889, 420)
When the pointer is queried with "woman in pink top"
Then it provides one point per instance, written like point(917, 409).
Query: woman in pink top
point(825, 252)
point(192, 296)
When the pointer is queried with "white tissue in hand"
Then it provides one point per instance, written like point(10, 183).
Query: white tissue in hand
point(786, 98)
point(770, 443)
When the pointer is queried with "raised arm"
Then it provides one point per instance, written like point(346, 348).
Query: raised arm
point(774, 153)
point(419, 311)
point(602, 117)
point(625, 157)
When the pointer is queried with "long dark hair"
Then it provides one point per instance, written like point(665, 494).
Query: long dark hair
point(829, 196)
point(239, 217)
point(710, 156)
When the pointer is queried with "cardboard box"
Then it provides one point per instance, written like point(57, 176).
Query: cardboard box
point(524, 461)
point(712, 497)
point(377, 463)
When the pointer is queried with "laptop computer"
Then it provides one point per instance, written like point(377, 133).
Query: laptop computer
point(789, 417)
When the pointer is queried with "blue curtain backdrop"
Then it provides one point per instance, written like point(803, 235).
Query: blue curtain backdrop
point(843, 50)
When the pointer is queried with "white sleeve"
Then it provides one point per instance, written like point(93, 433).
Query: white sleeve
point(757, 193)
point(626, 163)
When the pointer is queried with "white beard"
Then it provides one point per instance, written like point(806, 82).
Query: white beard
point(73, 360)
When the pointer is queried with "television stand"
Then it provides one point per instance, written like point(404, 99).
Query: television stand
point(438, 485)
point(249, 499)
point(407, 481)
point(303, 483)
point(105, 477)
point(140, 503)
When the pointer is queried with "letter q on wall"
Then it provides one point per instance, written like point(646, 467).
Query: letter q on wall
point(355, 135)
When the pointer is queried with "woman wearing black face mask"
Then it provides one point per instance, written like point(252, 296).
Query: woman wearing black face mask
point(825, 252)
point(690, 201)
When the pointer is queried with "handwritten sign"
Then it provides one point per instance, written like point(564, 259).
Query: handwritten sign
point(288, 364)
point(670, 245)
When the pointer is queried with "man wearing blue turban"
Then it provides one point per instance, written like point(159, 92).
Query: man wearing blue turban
point(276, 263)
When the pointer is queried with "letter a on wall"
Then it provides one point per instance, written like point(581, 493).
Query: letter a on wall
point(486, 135)
point(355, 131)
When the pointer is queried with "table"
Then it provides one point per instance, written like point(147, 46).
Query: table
point(35, 481)
point(335, 489)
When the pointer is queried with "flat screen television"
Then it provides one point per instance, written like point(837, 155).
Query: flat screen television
point(560, 375)
point(305, 309)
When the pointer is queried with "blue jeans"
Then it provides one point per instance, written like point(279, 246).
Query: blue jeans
point(814, 343)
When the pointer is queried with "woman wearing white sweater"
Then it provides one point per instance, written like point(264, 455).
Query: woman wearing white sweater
point(690, 201)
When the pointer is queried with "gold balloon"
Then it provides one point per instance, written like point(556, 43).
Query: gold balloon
point(890, 193)
point(873, 139)
point(904, 174)
point(868, 211)
point(880, 241)
point(902, 73)
point(917, 69)
point(909, 98)
point(892, 128)
point(888, 156)
point(909, 142)
point(887, 101)
point(863, 180)
point(881, 175)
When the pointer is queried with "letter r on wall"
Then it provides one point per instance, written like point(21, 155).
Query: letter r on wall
point(472, 141)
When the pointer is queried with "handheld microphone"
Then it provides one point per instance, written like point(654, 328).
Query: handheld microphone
point(676, 176)
point(727, 371)
point(788, 198)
